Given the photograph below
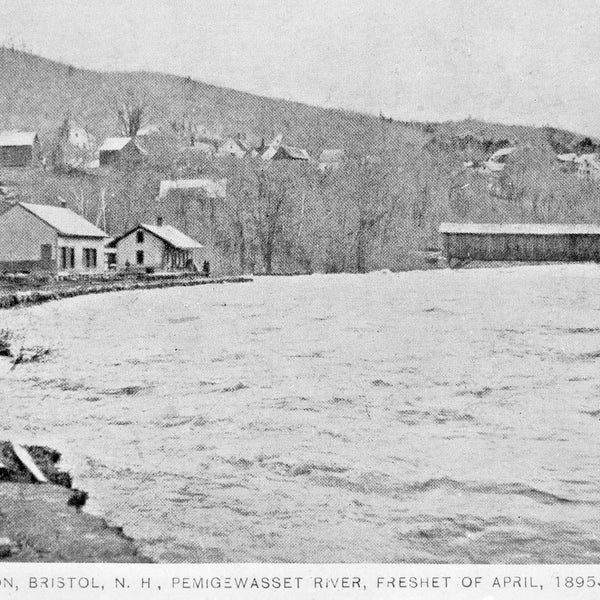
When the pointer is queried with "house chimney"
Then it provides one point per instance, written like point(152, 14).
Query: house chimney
point(62, 202)
point(159, 221)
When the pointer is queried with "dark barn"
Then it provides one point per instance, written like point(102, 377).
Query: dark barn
point(19, 149)
point(117, 150)
point(463, 242)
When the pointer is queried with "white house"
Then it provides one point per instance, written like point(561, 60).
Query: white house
point(39, 237)
point(272, 148)
point(160, 247)
point(213, 188)
point(233, 147)
point(588, 167)
point(331, 159)
point(497, 161)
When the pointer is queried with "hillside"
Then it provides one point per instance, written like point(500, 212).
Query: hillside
point(37, 93)
point(290, 217)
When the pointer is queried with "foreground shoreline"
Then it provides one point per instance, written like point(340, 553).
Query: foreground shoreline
point(43, 522)
point(29, 297)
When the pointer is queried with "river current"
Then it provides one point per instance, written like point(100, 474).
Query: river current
point(443, 416)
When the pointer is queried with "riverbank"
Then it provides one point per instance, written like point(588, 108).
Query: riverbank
point(43, 522)
point(28, 292)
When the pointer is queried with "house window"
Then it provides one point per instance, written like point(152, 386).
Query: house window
point(67, 258)
point(140, 236)
point(139, 257)
point(90, 258)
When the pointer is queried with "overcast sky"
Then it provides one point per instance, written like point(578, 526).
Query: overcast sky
point(515, 61)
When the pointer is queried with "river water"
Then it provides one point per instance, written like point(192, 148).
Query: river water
point(443, 416)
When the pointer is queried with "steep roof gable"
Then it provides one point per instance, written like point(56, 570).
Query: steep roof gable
point(167, 233)
point(17, 138)
point(63, 220)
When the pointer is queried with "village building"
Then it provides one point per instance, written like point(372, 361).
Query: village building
point(464, 242)
point(39, 237)
point(78, 149)
point(291, 153)
point(497, 161)
point(212, 188)
point(269, 152)
point(202, 148)
point(568, 162)
point(157, 247)
point(148, 130)
point(372, 159)
point(78, 137)
point(588, 167)
point(20, 149)
point(331, 159)
point(233, 147)
point(118, 150)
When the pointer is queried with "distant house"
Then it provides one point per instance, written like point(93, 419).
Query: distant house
point(331, 159)
point(115, 150)
point(269, 152)
point(372, 159)
point(588, 167)
point(213, 188)
point(39, 237)
point(78, 137)
point(567, 162)
point(79, 148)
point(497, 161)
point(290, 153)
point(233, 147)
point(204, 148)
point(160, 247)
point(19, 149)
point(148, 130)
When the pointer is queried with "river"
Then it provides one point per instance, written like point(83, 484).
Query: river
point(442, 416)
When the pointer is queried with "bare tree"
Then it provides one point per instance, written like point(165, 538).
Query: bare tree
point(267, 215)
point(130, 113)
point(374, 200)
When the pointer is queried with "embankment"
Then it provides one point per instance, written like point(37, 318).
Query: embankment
point(43, 522)
point(20, 297)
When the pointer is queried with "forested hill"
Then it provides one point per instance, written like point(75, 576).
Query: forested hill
point(37, 93)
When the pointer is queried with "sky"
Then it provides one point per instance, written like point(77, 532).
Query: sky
point(514, 61)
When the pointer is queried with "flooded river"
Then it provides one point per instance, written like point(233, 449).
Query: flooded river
point(444, 416)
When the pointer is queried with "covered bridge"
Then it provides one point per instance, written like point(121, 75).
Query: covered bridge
point(463, 242)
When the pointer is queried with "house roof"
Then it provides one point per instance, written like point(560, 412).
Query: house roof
point(569, 157)
point(172, 236)
point(167, 233)
point(520, 228)
point(114, 143)
point(148, 130)
point(239, 143)
point(588, 159)
point(501, 153)
point(17, 138)
point(293, 152)
point(213, 188)
point(331, 155)
point(64, 220)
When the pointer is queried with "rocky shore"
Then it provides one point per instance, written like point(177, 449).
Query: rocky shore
point(43, 522)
